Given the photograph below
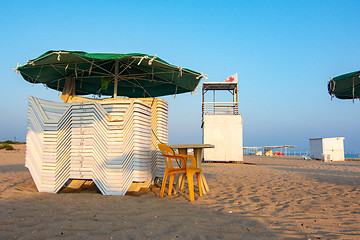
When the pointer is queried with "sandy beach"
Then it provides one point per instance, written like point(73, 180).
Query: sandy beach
point(265, 198)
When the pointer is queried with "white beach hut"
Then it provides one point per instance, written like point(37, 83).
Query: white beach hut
point(327, 149)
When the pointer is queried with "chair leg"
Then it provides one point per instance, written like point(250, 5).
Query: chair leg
point(190, 176)
point(171, 183)
point(163, 185)
point(199, 183)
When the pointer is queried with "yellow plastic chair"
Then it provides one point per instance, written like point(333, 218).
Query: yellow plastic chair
point(169, 154)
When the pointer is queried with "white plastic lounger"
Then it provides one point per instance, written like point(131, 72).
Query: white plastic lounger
point(112, 142)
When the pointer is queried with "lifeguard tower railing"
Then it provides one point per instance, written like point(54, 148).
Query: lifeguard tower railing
point(220, 108)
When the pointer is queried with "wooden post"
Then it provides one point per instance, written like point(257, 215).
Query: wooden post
point(214, 102)
point(116, 79)
point(202, 115)
point(237, 99)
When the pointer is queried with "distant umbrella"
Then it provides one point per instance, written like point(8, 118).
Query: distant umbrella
point(132, 75)
point(346, 86)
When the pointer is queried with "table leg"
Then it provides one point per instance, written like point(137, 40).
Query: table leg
point(181, 179)
point(198, 157)
point(183, 151)
point(204, 183)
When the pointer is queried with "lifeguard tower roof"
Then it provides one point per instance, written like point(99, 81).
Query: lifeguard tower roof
point(219, 85)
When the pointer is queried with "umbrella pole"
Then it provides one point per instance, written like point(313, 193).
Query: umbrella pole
point(116, 77)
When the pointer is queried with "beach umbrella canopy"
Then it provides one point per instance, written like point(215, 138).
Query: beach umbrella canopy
point(346, 86)
point(132, 75)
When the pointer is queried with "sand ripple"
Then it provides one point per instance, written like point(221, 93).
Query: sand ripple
point(275, 198)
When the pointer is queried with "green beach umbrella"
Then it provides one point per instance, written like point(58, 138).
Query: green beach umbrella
point(133, 75)
point(346, 86)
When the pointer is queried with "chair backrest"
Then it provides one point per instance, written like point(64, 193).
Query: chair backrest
point(166, 150)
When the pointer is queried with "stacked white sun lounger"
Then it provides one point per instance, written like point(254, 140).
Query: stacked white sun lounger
point(110, 142)
point(159, 126)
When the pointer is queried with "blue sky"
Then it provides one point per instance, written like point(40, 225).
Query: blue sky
point(283, 51)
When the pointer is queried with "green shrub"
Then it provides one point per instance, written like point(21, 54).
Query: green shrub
point(11, 142)
point(6, 146)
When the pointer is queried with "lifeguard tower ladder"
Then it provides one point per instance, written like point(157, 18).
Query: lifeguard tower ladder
point(222, 124)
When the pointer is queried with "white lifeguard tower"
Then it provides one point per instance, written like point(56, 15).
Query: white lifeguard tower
point(222, 124)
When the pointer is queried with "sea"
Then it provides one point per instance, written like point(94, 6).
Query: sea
point(307, 153)
point(352, 155)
